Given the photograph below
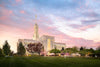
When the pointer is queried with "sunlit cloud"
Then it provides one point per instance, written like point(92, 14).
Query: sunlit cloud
point(74, 22)
point(22, 11)
point(18, 0)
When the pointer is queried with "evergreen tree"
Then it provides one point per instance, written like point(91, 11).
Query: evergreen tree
point(62, 49)
point(1, 53)
point(81, 48)
point(6, 48)
point(21, 49)
point(91, 50)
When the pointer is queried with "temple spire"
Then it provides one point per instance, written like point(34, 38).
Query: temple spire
point(36, 35)
point(35, 19)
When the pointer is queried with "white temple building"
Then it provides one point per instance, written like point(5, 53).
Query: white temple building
point(47, 41)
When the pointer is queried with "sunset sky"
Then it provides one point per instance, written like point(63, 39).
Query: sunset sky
point(74, 22)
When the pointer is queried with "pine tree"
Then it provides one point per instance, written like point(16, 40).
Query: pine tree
point(62, 49)
point(21, 49)
point(6, 48)
point(1, 53)
point(81, 48)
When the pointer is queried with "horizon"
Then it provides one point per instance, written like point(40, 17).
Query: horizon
point(74, 22)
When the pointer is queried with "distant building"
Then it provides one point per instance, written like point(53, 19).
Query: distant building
point(47, 41)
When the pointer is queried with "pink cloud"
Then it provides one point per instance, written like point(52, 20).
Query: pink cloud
point(18, 0)
point(10, 11)
point(22, 11)
point(87, 27)
point(6, 12)
point(2, 6)
point(49, 28)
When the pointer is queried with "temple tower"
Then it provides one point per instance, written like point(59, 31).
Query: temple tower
point(36, 34)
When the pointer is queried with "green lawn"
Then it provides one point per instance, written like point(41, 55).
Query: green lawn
point(48, 62)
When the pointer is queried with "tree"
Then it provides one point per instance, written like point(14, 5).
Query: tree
point(98, 48)
point(75, 49)
point(21, 49)
point(81, 48)
point(1, 53)
point(67, 50)
point(85, 51)
point(71, 50)
point(62, 49)
point(55, 51)
point(11, 53)
point(97, 52)
point(91, 50)
point(6, 48)
point(34, 48)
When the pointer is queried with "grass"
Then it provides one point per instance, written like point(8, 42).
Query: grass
point(48, 62)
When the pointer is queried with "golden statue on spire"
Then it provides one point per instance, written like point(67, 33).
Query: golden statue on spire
point(35, 16)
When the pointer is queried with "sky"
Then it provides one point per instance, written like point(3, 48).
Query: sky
point(74, 22)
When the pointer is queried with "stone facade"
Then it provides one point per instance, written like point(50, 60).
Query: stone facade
point(47, 41)
point(59, 45)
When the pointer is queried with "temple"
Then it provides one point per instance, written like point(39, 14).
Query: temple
point(47, 41)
